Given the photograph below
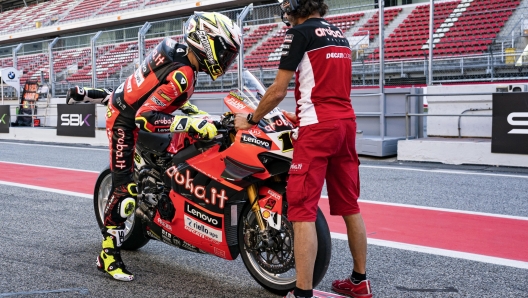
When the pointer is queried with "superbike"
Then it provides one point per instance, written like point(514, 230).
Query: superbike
point(225, 197)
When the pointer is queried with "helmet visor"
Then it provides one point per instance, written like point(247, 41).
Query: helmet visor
point(225, 55)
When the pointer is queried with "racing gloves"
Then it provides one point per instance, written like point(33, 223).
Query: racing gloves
point(202, 127)
point(190, 109)
point(88, 95)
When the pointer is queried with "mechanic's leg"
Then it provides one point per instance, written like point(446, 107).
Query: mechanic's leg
point(357, 241)
point(305, 252)
point(343, 185)
point(305, 184)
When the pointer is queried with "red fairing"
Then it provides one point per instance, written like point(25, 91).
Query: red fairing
point(236, 105)
point(178, 142)
point(197, 226)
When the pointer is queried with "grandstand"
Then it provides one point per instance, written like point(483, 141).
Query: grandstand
point(466, 32)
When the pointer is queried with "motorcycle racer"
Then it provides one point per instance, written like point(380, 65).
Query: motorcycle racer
point(163, 83)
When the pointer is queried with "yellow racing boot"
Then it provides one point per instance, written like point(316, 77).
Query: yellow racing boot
point(109, 260)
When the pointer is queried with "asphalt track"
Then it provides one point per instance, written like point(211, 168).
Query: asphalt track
point(434, 231)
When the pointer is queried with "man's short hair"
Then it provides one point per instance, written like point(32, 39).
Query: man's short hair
point(308, 7)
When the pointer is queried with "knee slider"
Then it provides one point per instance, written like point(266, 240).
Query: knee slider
point(127, 207)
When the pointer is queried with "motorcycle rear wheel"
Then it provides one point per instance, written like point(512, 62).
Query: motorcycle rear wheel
point(134, 236)
point(282, 283)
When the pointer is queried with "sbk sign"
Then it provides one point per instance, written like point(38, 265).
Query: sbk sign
point(509, 132)
point(76, 120)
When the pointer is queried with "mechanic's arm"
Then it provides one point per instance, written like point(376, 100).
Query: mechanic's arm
point(273, 96)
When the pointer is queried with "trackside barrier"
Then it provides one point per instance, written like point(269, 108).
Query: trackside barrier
point(408, 114)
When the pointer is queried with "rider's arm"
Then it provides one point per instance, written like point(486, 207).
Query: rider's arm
point(155, 113)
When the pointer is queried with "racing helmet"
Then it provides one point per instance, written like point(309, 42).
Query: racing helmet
point(215, 41)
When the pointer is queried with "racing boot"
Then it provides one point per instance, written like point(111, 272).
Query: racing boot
point(120, 206)
point(109, 260)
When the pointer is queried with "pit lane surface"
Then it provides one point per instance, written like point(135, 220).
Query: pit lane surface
point(51, 239)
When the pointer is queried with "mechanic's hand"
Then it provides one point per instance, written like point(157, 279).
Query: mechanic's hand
point(291, 116)
point(190, 109)
point(202, 127)
point(241, 122)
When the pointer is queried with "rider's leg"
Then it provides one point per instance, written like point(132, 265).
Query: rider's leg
point(122, 135)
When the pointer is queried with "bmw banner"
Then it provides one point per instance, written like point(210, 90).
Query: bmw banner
point(76, 120)
point(4, 119)
point(11, 77)
point(509, 132)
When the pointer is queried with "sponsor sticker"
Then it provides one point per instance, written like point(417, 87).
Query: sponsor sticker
point(288, 38)
point(219, 252)
point(249, 139)
point(236, 104)
point(157, 101)
point(164, 96)
point(138, 75)
point(202, 230)
point(203, 216)
point(164, 225)
point(235, 95)
point(217, 197)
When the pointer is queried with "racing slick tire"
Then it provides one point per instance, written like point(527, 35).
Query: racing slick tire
point(278, 280)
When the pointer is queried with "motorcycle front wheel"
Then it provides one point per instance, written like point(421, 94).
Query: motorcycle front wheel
point(270, 259)
point(134, 235)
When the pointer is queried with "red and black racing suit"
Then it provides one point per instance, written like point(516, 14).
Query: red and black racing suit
point(163, 83)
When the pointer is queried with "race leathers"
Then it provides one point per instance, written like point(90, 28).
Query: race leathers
point(163, 83)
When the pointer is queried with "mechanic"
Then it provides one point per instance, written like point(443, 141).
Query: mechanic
point(163, 83)
point(319, 55)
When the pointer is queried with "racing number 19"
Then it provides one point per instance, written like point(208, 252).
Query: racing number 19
point(286, 141)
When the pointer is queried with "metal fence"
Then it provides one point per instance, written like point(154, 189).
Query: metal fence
point(503, 57)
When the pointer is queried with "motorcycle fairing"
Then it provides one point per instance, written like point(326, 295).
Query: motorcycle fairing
point(179, 141)
point(199, 227)
point(237, 104)
point(156, 231)
point(236, 171)
point(270, 203)
point(199, 187)
point(212, 163)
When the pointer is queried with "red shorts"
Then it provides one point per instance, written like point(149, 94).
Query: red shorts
point(324, 150)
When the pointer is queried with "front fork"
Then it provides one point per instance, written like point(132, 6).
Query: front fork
point(255, 207)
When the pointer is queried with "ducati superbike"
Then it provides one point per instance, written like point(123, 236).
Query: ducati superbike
point(225, 197)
